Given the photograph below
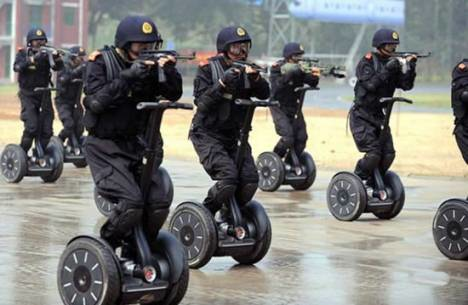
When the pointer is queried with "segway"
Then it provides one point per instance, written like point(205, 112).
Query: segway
point(347, 195)
point(72, 148)
point(44, 163)
point(148, 269)
point(245, 233)
point(296, 171)
point(450, 228)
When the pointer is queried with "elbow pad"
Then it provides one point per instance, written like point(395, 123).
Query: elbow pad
point(464, 97)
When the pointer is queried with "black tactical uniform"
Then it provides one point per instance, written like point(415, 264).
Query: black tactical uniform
point(378, 77)
point(217, 122)
point(460, 106)
point(288, 118)
point(68, 99)
point(36, 107)
point(115, 144)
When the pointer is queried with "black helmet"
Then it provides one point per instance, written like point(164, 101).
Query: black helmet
point(231, 34)
point(36, 34)
point(77, 51)
point(136, 29)
point(292, 48)
point(385, 36)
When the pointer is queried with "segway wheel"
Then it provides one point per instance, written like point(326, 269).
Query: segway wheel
point(169, 249)
point(58, 142)
point(398, 196)
point(346, 196)
point(14, 164)
point(256, 215)
point(271, 171)
point(87, 274)
point(103, 204)
point(54, 152)
point(193, 225)
point(311, 172)
point(450, 229)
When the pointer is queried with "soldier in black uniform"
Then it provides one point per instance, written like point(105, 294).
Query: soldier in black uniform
point(34, 70)
point(378, 74)
point(217, 121)
point(68, 99)
point(286, 75)
point(115, 82)
point(460, 106)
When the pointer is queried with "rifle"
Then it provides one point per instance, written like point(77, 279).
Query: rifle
point(241, 65)
point(50, 51)
point(401, 56)
point(151, 57)
point(307, 64)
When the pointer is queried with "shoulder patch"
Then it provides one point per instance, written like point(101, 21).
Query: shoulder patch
point(368, 56)
point(94, 55)
point(462, 66)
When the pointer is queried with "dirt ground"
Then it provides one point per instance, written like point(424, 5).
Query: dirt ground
point(424, 141)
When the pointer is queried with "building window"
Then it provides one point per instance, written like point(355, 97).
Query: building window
point(69, 16)
point(8, 19)
point(35, 15)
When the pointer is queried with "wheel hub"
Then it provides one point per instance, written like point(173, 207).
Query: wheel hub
point(10, 164)
point(343, 197)
point(266, 171)
point(187, 235)
point(454, 230)
point(82, 279)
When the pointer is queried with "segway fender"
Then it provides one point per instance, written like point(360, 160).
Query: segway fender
point(257, 212)
point(172, 250)
point(162, 190)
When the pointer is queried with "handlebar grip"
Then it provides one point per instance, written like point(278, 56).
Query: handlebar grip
point(395, 99)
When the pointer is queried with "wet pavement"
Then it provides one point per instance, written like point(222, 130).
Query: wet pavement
point(314, 259)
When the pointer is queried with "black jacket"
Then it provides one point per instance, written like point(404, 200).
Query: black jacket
point(283, 85)
point(459, 88)
point(216, 110)
point(32, 75)
point(114, 114)
point(67, 87)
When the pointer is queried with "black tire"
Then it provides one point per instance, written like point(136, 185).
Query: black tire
point(311, 172)
point(193, 225)
point(54, 152)
point(392, 180)
point(263, 245)
point(346, 196)
point(271, 171)
point(87, 270)
point(450, 229)
point(58, 142)
point(178, 289)
point(14, 163)
point(80, 163)
point(104, 205)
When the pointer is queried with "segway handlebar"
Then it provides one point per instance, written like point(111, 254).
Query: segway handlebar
point(385, 100)
point(42, 89)
point(256, 103)
point(305, 88)
point(163, 105)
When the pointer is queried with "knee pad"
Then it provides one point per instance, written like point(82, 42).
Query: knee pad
point(246, 192)
point(68, 123)
point(155, 216)
point(219, 194)
point(386, 161)
point(367, 164)
point(122, 223)
point(162, 190)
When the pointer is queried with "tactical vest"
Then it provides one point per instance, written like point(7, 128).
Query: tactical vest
point(459, 84)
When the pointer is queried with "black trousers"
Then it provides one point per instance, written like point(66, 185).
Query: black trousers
point(37, 115)
point(116, 167)
point(293, 132)
point(71, 116)
point(217, 155)
point(461, 135)
point(379, 152)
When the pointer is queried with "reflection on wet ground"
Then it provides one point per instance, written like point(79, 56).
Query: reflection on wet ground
point(314, 259)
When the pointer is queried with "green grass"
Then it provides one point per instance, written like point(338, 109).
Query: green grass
point(8, 89)
point(438, 100)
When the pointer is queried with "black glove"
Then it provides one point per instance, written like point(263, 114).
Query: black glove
point(231, 79)
point(138, 70)
point(393, 66)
